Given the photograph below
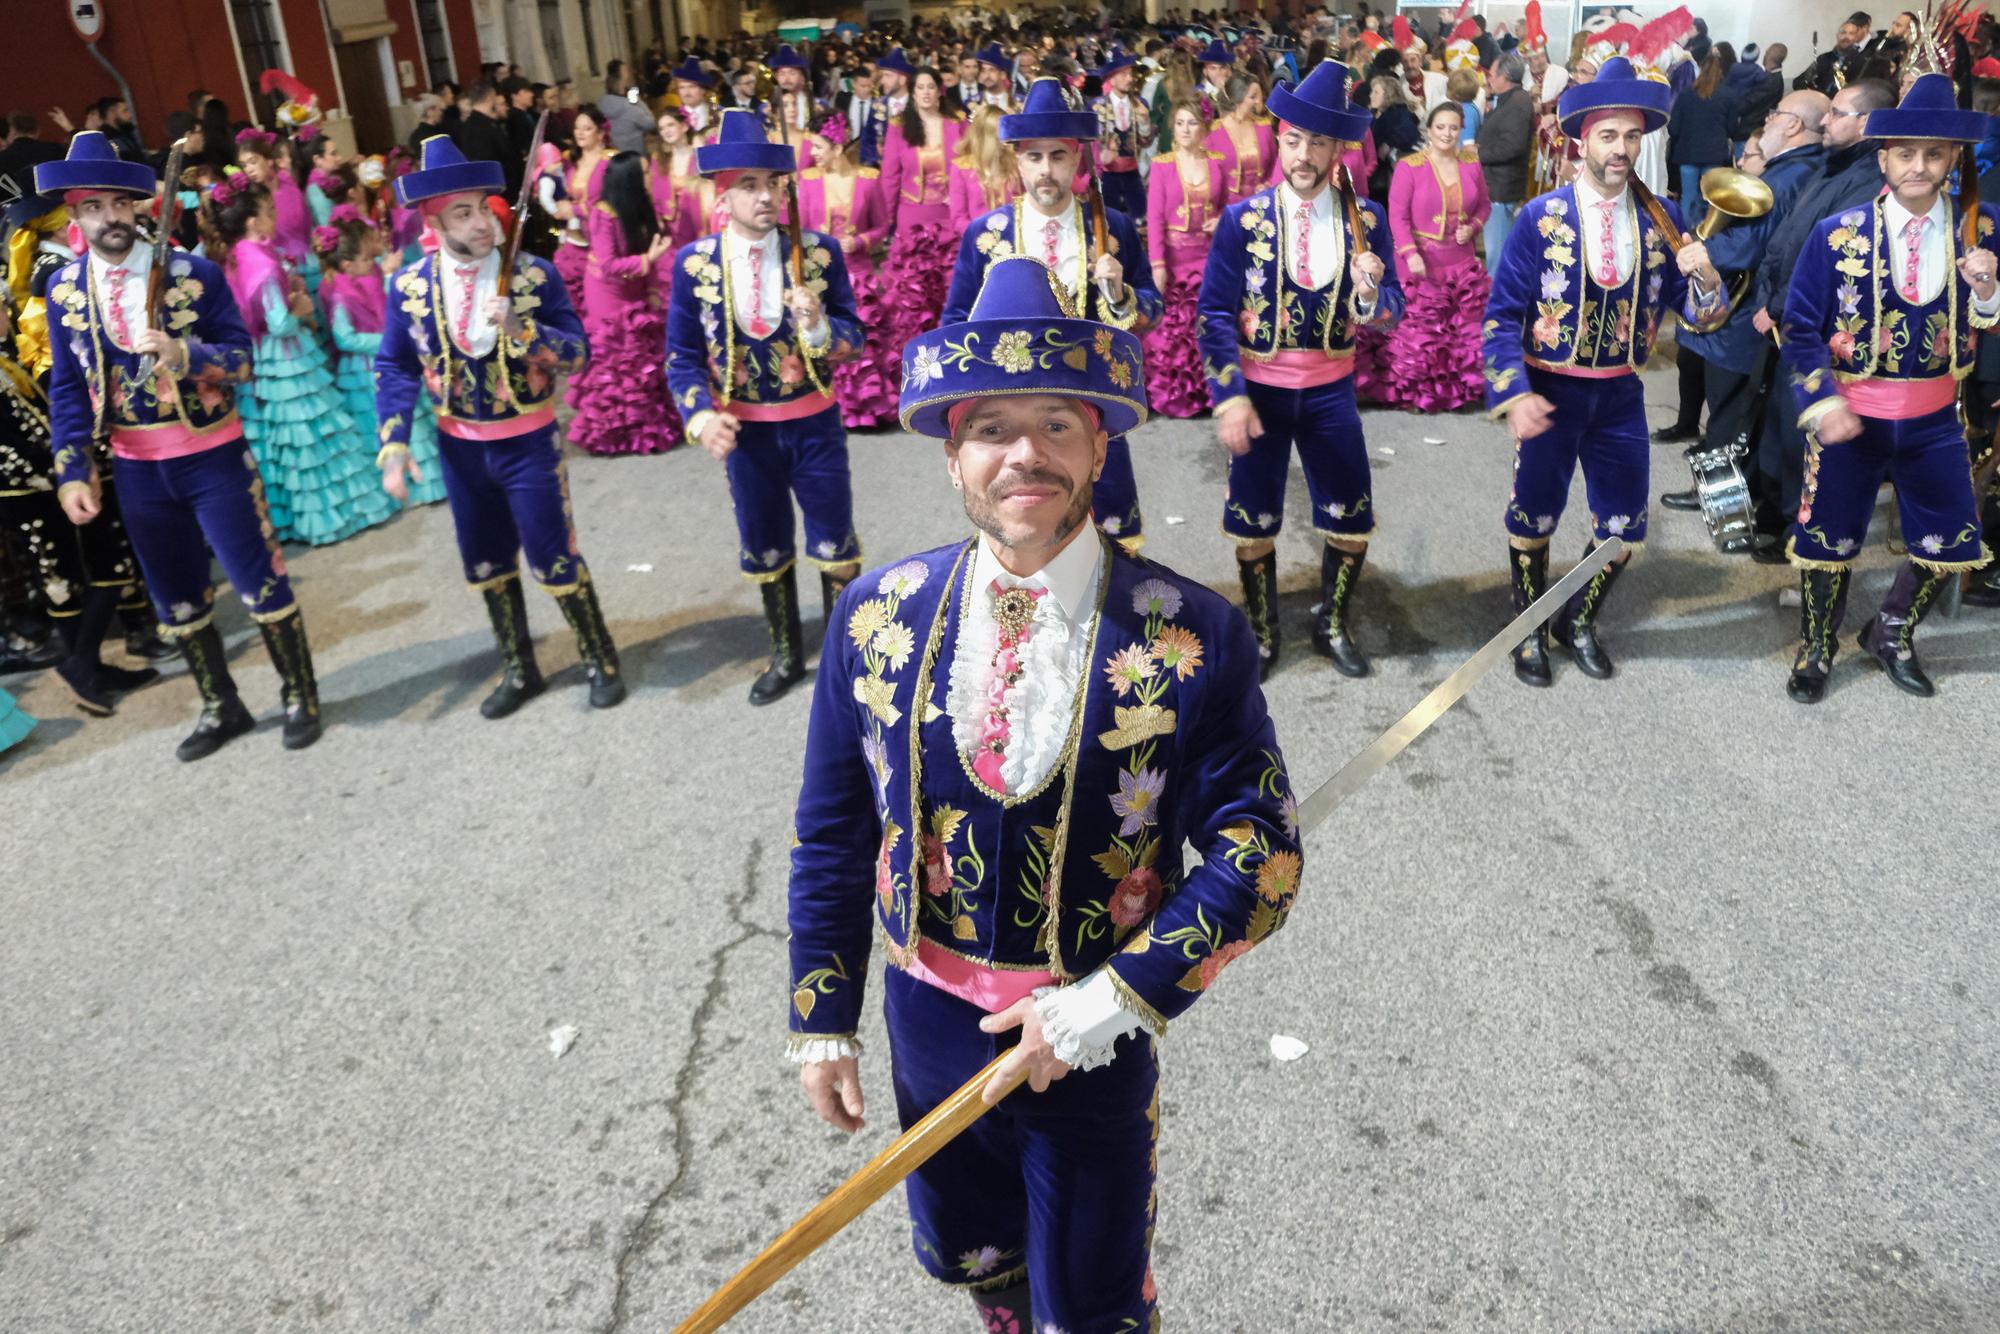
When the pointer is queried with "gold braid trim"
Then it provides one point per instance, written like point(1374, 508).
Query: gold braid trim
point(770, 576)
point(496, 581)
point(273, 617)
point(187, 631)
point(1807, 563)
point(1984, 559)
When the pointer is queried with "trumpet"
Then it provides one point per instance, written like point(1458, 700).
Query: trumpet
point(1732, 196)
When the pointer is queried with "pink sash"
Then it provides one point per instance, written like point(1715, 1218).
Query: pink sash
point(463, 428)
point(149, 444)
point(1580, 372)
point(789, 411)
point(991, 989)
point(1299, 368)
point(1899, 400)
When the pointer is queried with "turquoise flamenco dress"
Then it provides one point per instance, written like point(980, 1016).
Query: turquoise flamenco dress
point(318, 464)
point(356, 377)
point(14, 724)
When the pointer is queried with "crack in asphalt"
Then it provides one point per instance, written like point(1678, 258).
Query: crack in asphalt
point(640, 1237)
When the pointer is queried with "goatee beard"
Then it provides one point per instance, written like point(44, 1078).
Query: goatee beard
point(985, 517)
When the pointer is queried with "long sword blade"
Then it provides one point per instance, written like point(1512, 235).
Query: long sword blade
point(1431, 707)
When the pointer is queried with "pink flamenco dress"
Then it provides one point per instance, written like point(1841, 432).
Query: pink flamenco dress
point(1246, 168)
point(620, 397)
point(1181, 211)
point(316, 461)
point(868, 385)
point(917, 270)
point(1431, 363)
point(971, 199)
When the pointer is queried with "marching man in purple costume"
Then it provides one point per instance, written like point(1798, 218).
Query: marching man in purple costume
point(1290, 279)
point(1012, 738)
point(1878, 331)
point(1578, 294)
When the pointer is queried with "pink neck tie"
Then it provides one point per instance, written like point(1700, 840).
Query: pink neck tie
point(468, 276)
point(1303, 265)
point(1607, 269)
point(1051, 231)
point(758, 327)
point(1014, 614)
point(121, 331)
point(1913, 232)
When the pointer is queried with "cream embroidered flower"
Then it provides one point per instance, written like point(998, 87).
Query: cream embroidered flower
point(903, 580)
point(1011, 353)
point(895, 643)
point(866, 619)
point(1130, 666)
point(924, 367)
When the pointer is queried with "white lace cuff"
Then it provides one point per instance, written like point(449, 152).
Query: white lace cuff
point(806, 1048)
point(1083, 1022)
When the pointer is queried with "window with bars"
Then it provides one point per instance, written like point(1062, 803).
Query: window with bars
point(437, 48)
point(257, 34)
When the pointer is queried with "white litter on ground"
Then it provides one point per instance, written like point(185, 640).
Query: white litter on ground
point(562, 1039)
point(639, 569)
point(1287, 1048)
point(1173, 519)
point(1433, 440)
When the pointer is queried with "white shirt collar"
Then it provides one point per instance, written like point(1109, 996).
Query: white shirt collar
point(488, 267)
point(1588, 196)
point(1895, 217)
point(1321, 207)
point(1068, 577)
point(1066, 215)
point(743, 245)
point(137, 262)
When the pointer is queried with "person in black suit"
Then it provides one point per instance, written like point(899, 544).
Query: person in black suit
point(522, 113)
point(483, 137)
point(1837, 68)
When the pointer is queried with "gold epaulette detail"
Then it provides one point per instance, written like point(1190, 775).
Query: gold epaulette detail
point(1415, 159)
point(871, 173)
point(812, 173)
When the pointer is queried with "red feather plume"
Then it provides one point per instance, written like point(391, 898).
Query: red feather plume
point(1532, 35)
point(1399, 32)
point(285, 83)
point(1653, 39)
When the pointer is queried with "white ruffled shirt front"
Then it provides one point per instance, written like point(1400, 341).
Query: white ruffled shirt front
point(1083, 1021)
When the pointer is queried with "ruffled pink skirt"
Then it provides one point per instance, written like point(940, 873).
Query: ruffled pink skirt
point(1431, 362)
point(867, 387)
point(620, 396)
point(571, 261)
point(1174, 383)
point(914, 277)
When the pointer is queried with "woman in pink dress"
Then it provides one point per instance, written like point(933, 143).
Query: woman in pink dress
point(266, 162)
point(677, 193)
point(578, 187)
point(983, 173)
point(1184, 197)
point(620, 397)
point(1437, 206)
point(845, 200)
point(1244, 139)
point(916, 159)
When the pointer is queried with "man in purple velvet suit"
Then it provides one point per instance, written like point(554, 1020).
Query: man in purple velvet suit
point(1878, 331)
point(162, 385)
point(1578, 294)
point(1012, 738)
point(1295, 271)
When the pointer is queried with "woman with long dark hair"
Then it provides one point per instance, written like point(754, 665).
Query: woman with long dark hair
point(318, 465)
point(1184, 199)
point(620, 396)
point(1698, 129)
point(844, 199)
point(1437, 206)
point(916, 178)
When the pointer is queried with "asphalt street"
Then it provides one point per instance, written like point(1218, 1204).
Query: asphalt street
point(1655, 1004)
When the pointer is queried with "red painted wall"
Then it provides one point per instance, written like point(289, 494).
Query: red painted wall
point(306, 39)
point(164, 48)
point(464, 40)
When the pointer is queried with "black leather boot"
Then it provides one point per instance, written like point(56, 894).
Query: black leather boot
point(285, 640)
point(82, 635)
point(593, 644)
point(830, 588)
point(1006, 1310)
point(1575, 627)
point(781, 618)
point(1339, 571)
point(1891, 635)
point(1529, 571)
point(1982, 589)
point(223, 717)
point(520, 677)
point(142, 636)
point(1260, 604)
point(1822, 603)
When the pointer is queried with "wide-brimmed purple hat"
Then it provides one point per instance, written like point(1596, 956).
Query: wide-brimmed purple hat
point(1929, 110)
point(1617, 87)
point(93, 164)
point(1215, 53)
point(443, 170)
point(991, 54)
point(1046, 114)
point(741, 144)
point(786, 57)
point(1117, 60)
point(1022, 338)
point(691, 71)
point(895, 60)
point(1319, 104)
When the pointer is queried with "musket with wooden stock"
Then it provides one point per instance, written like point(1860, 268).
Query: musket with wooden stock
point(920, 1142)
point(522, 203)
point(169, 217)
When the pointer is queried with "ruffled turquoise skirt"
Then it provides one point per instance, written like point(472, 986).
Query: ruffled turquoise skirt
point(14, 724)
point(318, 464)
point(356, 378)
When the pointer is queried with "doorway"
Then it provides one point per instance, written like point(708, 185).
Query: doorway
point(367, 94)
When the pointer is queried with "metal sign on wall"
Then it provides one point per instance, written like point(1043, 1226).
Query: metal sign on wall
point(87, 17)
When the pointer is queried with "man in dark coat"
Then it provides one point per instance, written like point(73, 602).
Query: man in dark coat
point(1504, 138)
point(483, 136)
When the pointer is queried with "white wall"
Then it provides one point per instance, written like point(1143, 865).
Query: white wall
point(1792, 22)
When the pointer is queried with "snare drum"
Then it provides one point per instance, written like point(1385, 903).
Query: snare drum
point(1724, 493)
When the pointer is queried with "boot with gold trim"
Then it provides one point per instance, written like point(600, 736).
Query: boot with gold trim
point(1260, 604)
point(781, 618)
point(223, 717)
point(285, 640)
point(1339, 571)
point(1822, 603)
point(1529, 571)
point(520, 676)
point(593, 643)
point(1575, 626)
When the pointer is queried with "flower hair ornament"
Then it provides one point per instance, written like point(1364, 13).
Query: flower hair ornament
point(229, 189)
point(325, 240)
point(346, 213)
point(261, 142)
point(832, 127)
point(307, 134)
point(327, 182)
point(371, 172)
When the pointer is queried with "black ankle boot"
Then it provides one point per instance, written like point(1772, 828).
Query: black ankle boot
point(1822, 603)
point(285, 640)
point(1575, 627)
point(142, 637)
point(1260, 604)
point(593, 643)
point(1339, 571)
point(223, 717)
point(1006, 1310)
point(1529, 571)
point(520, 678)
point(781, 618)
point(1891, 635)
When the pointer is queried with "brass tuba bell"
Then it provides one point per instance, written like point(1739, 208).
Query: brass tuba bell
point(1731, 196)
